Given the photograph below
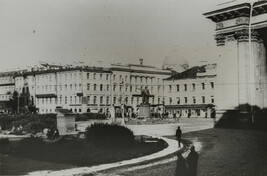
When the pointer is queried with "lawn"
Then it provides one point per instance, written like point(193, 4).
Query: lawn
point(19, 158)
point(224, 152)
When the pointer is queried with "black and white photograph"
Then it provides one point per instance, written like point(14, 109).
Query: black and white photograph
point(133, 87)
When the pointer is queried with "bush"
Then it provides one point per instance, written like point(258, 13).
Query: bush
point(109, 134)
point(31, 123)
point(87, 116)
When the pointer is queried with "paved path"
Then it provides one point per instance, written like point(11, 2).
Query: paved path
point(156, 130)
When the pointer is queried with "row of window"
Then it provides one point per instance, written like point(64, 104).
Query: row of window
point(194, 101)
point(185, 87)
point(93, 100)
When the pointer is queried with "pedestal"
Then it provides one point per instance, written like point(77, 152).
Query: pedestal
point(144, 110)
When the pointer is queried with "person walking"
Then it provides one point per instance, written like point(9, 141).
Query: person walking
point(192, 160)
point(178, 135)
point(181, 169)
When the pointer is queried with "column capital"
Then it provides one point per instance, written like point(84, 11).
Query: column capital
point(243, 35)
point(220, 38)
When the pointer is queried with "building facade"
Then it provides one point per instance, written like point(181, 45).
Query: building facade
point(89, 89)
point(84, 89)
point(191, 93)
point(242, 72)
point(7, 86)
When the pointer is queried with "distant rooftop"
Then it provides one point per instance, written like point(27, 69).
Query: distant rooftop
point(193, 72)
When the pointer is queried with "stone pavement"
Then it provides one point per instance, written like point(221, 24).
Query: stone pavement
point(157, 130)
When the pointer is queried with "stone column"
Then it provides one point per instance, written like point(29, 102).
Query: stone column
point(227, 74)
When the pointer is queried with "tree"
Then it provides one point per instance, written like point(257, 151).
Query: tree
point(13, 102)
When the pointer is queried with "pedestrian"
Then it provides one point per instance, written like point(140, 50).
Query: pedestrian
point(192, 160)
point(181, 169)
point(56, 134)
point(178, 135)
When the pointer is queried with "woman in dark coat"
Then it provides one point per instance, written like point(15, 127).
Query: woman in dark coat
point(181, 169)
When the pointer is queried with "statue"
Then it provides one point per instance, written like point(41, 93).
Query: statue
point(145, 95)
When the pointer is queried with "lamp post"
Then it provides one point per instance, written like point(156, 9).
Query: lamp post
point(122, 102)
point(252, 74)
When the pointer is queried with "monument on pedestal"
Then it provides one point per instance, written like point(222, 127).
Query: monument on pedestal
point(144, 107)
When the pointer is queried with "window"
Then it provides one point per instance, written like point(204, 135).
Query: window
point(80, 86)
point(185, 87)
point(185, 100)
point(120, 77)
point(203, 85)
point(194, 100)
point(70, 99)
point(107, 87)
point(94, 75)
point(120, 87)
point(88, 86)
point(170, 88)
point(125, 78)
point(141, 79)
point(100, 76)
point(132, 99)
point(151, 89)
point(170, 101)
point(66, 100)
point(94, 86)
point(177, 87)
point(212, 85)
point(158, 88)
point(114, 100)
point(146, 80)
point(126, 88)
point(66, 87)
point(178, 100)
point(194, 86)
point(94, 100)
point(158, 100)
point(212, 99)
point(114, 87)
point(131, 88)
point(101, 87)
point(107, 77)
point(114, 77)
point(203, 99)
point(126, 100)
point(107, 100)
point(88, 75)
point(88, 99)
point(70, 86)
point(101, 100)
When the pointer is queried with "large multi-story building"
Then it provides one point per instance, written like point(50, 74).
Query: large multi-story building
point(7, 86)
point(95, 89)
point(85, 89)
point(191, 93)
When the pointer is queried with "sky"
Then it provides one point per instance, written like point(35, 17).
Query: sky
point(99, 32)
